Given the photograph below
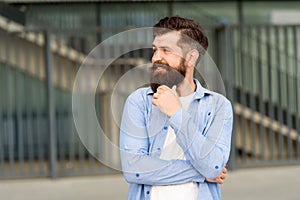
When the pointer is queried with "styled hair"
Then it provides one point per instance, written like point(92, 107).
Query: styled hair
point(190, 31)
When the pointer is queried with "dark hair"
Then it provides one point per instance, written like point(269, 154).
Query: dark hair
point(189, 29)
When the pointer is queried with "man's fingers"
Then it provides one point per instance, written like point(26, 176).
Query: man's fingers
point(162, 88)
point(155, 95)
point(223, 176)
point(154, 102)
point(220, 181)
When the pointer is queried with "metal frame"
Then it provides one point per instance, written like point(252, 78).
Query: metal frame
point(42, 142)
point(264, 59)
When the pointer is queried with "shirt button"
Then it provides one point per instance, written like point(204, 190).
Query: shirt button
point(148, 192)
point(209, 113)
point(216, 167)
point(137, 175)
point(165, 128)
point(158, 148)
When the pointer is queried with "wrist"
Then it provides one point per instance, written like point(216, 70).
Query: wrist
point(170, 114)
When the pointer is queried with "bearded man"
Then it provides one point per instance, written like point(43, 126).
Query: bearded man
point(175, 136)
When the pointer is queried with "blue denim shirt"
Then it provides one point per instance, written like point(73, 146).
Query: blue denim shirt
point(203, 132)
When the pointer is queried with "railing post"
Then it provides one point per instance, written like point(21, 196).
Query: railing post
point(50, 105)
point(224, 58)
point(229, 76)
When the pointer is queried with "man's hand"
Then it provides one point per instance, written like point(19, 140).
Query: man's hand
point(166, 100)
point(220, 178)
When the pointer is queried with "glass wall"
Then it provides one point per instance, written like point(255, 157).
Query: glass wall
point(261, 55)
point(124, 14)
point(275, 12)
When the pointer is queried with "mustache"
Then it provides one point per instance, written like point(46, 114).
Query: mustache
point(155, 66)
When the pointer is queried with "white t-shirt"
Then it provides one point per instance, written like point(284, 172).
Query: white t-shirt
point(171, 150)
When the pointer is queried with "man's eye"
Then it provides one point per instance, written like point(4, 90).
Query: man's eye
point(166, 50)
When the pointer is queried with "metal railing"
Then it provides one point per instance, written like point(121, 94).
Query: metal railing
point(259, 66)
point(262, 75)
point(37, 132)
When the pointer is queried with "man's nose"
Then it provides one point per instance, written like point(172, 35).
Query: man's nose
point(156, 57)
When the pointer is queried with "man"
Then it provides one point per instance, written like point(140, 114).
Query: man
point(175, 135)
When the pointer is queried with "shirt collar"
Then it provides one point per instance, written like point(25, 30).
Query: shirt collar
point(149, 91)
point(200, 91)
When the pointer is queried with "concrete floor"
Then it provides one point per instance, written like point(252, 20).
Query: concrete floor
point(244, 184)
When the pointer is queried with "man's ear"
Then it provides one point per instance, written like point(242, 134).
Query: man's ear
point(192, 57)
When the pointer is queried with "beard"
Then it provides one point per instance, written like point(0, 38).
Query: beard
point(166, 75)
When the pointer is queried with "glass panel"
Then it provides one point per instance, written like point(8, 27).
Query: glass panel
point(208, 13)
point(270, 12)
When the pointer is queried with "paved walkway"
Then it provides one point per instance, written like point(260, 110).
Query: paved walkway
point(277, 183)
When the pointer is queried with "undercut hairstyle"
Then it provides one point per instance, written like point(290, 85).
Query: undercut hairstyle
point(190, 30)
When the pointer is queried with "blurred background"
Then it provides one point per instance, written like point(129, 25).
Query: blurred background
point(255, 45)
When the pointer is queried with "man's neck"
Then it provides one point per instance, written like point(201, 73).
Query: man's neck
point(186, 88)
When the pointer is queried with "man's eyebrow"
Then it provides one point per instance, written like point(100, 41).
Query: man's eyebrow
point(161, 47)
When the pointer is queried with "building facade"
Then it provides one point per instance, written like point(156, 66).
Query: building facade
point(43, 45)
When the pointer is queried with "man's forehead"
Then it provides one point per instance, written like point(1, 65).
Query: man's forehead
point(167, 39)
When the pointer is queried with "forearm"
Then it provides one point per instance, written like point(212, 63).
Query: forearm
point(206, 148)
point(141, 168)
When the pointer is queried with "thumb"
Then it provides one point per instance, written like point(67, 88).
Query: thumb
point(174, 90)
